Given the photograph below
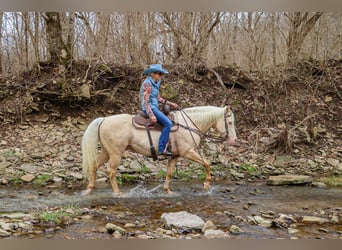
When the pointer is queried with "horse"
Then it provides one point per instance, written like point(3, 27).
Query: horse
point(117, 133)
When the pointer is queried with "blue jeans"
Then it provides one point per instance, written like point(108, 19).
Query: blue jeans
point(167, 124)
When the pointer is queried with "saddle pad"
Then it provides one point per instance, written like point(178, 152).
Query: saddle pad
point(141, 122)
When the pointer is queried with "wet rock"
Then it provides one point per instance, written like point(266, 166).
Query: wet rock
point(111, 228)
point(288, 180)
point(292, 230)
point(182, 219)
point(4, 233)
point(4, 181)
point(117, 235)
point(258, 220)
point(314, 219)
point(212, 234)
point(208, 225)
point(235, 230)
point(318, 185)
point(334, 219)
point(129, 225)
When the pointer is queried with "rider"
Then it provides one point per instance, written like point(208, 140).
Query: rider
point(149, 93)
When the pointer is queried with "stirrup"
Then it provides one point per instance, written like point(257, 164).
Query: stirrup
point(167, 153)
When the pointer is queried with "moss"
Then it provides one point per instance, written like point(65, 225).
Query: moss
point(333, 181)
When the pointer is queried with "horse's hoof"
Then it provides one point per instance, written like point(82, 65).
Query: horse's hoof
point(86, 192)
point(118, 195)
point(168, 191)
point(206, 186)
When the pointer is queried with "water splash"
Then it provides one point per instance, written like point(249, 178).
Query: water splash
point(141, 191)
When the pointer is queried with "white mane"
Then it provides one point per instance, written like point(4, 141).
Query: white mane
point(202, 115)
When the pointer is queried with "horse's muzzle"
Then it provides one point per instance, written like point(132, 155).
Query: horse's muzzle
point(232, 141)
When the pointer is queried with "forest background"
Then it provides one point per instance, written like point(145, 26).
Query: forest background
point(250, 40)
point(280, 71)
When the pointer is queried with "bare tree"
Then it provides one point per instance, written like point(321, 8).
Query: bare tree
point(191, 32)
point(60, 53)
point(1, 16)
point(301, 23)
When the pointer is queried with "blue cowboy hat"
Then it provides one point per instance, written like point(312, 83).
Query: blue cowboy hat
point(155, 68)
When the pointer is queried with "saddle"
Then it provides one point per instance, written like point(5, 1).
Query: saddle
point(142, 121)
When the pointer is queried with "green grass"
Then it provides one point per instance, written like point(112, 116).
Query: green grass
point(145, 170)
point(42, 180)
point(247, 168)
point(56, 216)
point(15, 179)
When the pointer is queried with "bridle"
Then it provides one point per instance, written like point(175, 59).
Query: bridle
point(196, 130)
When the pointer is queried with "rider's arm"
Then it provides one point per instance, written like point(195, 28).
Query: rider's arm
point(147, 94)
point(164, 101)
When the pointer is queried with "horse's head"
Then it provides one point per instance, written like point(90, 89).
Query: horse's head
point(226, 126)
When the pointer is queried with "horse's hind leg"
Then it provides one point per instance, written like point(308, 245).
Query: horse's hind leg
point(114, 161)
point(101, 159)
point(170, 167)
point(192, 155)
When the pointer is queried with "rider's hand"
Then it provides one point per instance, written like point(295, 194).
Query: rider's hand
point(153, 119)
point(174, 105)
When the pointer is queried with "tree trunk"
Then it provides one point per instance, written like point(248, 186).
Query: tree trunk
point(60, 53)
point(273, 35)
point(1, 15)
point(300, 25)
point(26, 33)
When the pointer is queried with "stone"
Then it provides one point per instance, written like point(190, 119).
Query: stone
point(4, 164)
point(182, 219)
point(318, 185)
point(111, 228)
point(77, 176)
point(29, 168)
point(128, 225)
point(4, 233)
point(235, 230)
point(314, 219)
point(27, 177)
point(208, 225)
point(288, 180)
point(333, 162)
point(282, 161)
point(292, 230)
point(212, 234)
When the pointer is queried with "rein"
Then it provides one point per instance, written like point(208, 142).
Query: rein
point(199, 132)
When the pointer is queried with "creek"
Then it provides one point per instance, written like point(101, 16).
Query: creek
point(226, 204)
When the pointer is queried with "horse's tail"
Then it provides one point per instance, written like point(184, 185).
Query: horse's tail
point(89, 146)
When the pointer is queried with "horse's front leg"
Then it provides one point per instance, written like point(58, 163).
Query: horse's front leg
point(170, 167)
point(192, 155)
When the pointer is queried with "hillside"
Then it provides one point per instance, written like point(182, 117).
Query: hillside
point(293, 111)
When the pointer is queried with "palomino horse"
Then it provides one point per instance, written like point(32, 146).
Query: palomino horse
point(117, 133)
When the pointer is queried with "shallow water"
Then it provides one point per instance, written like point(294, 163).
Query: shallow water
point(224, 204)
